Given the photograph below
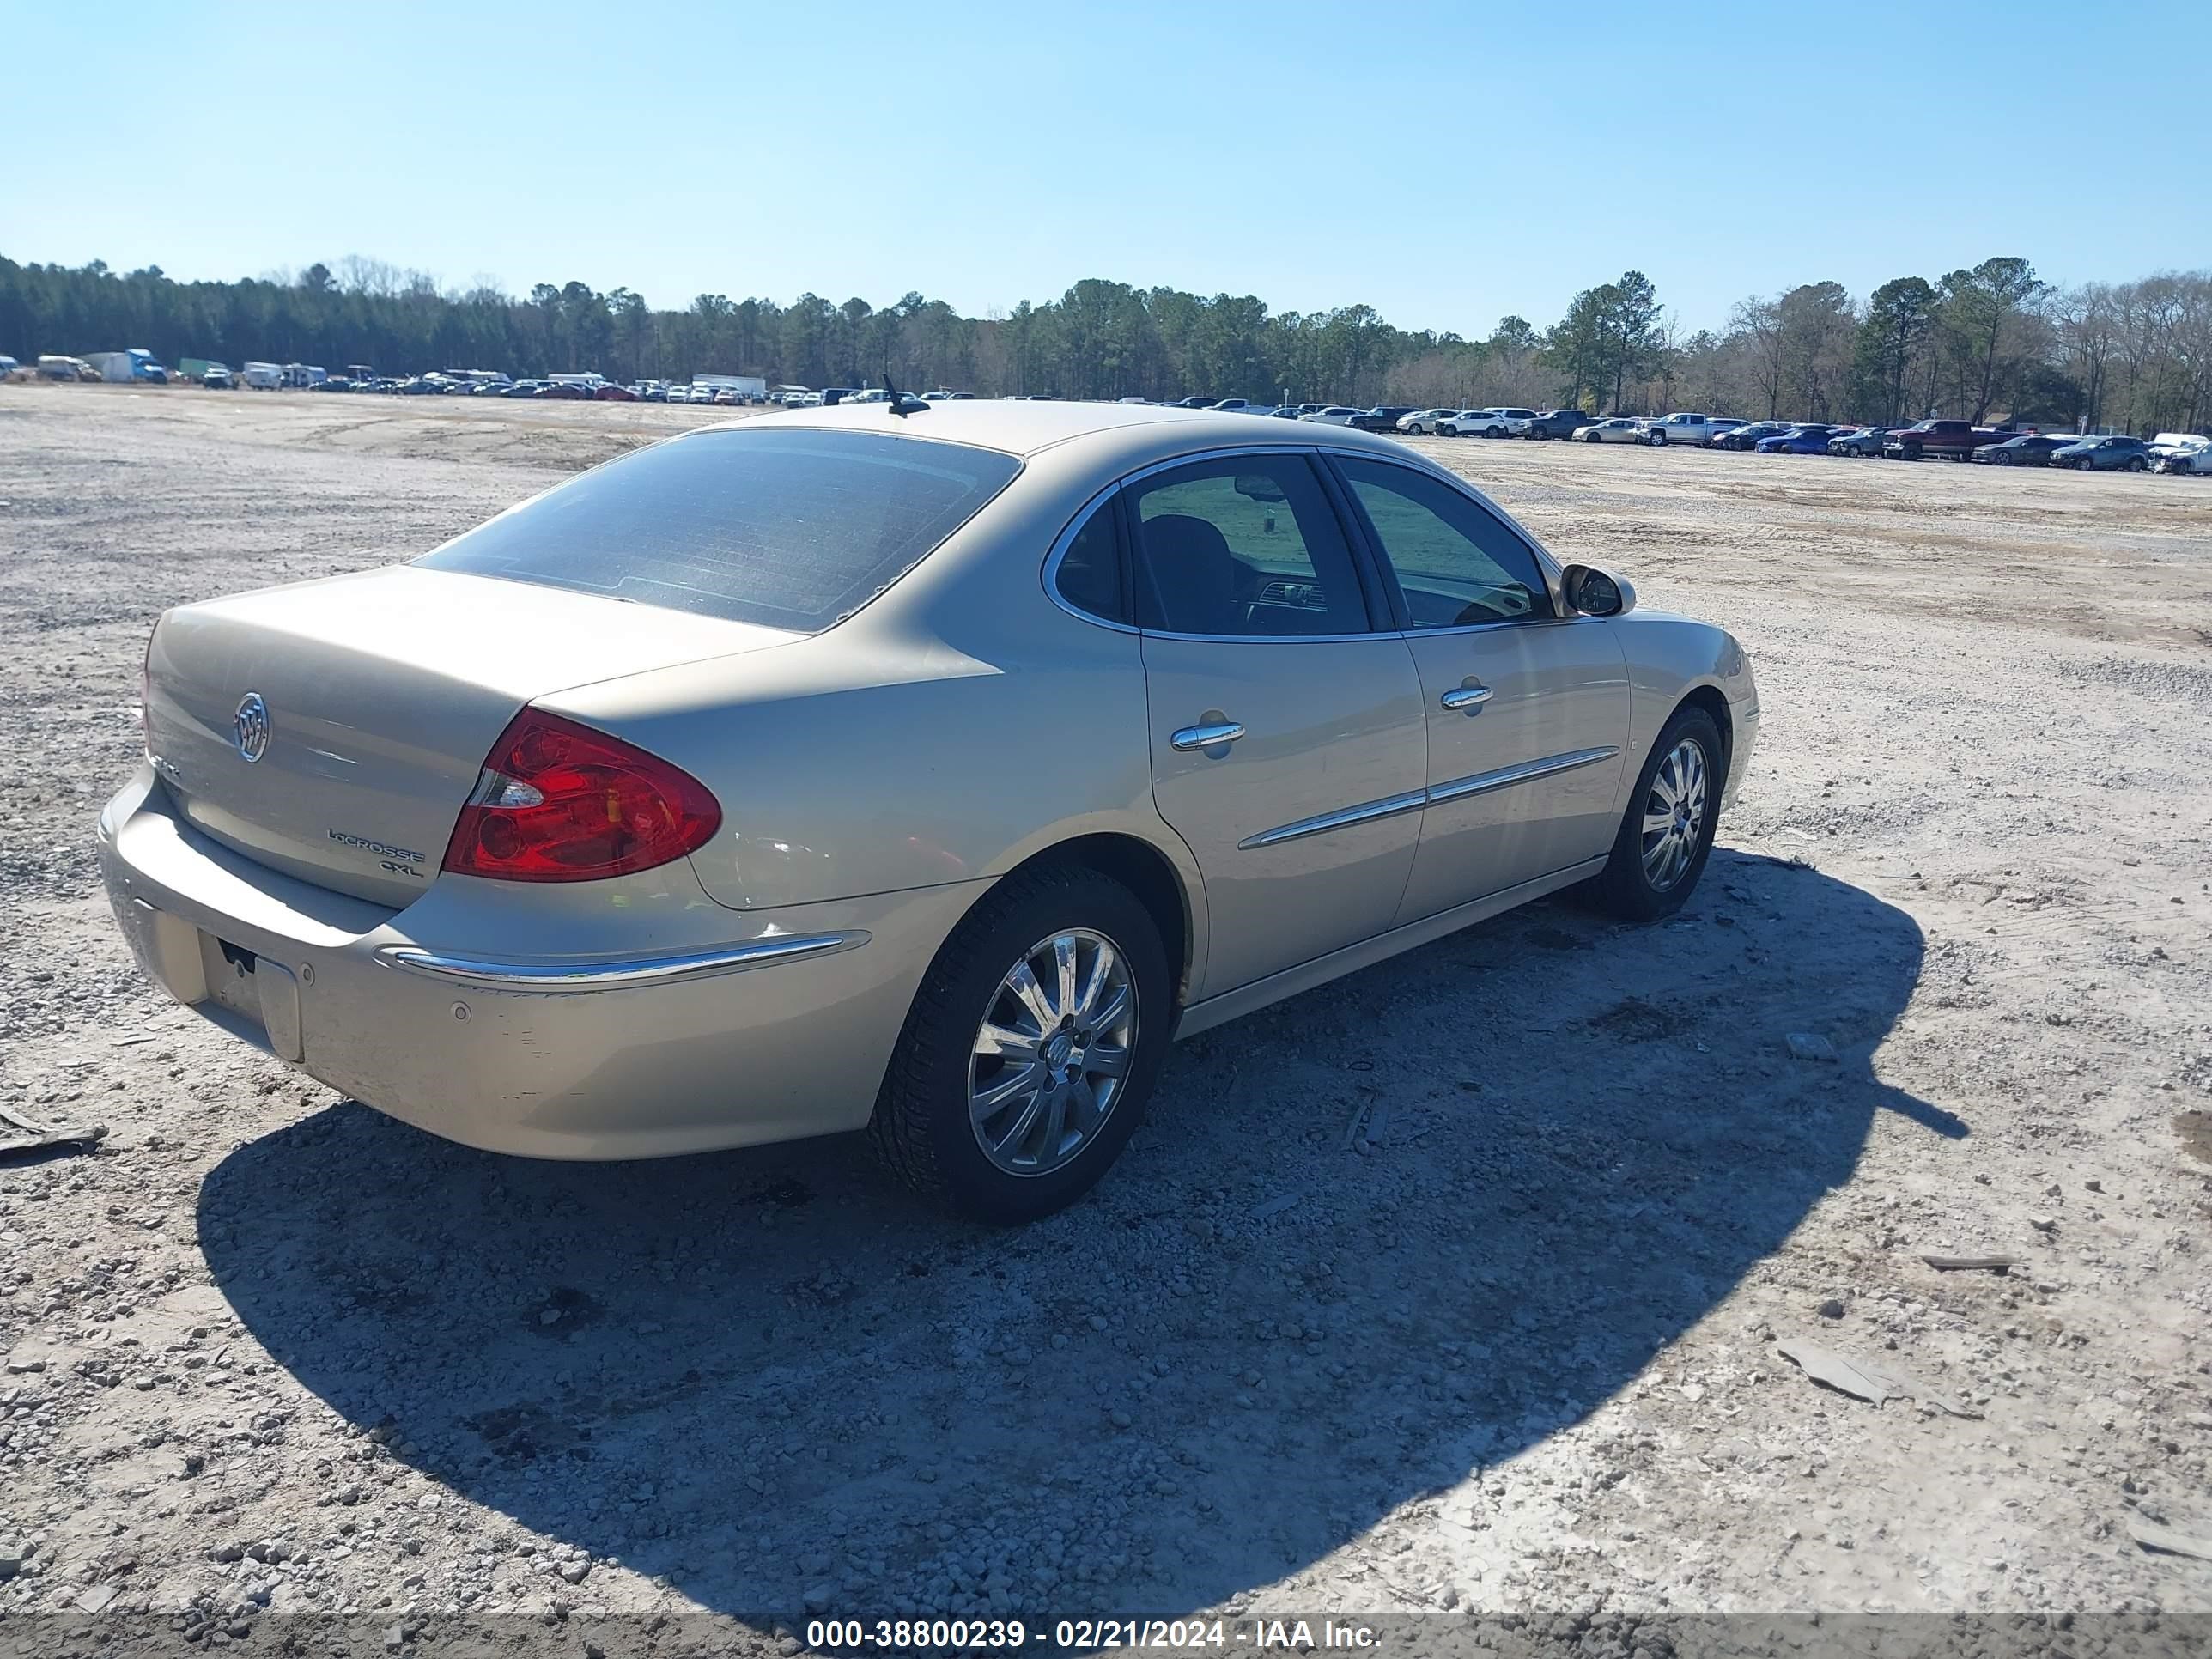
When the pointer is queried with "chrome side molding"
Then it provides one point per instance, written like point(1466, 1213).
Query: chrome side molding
point(1482, 783)
point(1389, 807)
point(1458, 789)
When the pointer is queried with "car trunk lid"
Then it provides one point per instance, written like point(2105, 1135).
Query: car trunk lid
point(369, 702)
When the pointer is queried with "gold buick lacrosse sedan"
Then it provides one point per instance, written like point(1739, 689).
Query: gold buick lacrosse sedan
point(926, 767)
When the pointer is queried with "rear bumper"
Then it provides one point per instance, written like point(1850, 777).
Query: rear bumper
point(632, 1019)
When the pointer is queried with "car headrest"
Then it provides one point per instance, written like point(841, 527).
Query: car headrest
point(1193, 572)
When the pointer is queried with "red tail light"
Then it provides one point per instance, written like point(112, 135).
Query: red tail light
point(560, 802)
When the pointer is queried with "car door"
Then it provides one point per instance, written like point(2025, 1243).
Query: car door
point(1286, 727)
point(1526, 711)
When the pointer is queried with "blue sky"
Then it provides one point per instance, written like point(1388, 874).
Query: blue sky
point(1447, 164)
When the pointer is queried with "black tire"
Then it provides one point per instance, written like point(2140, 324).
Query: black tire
point(2003, 458)
point(1624, 887)
point(921, 1128)
point(2137, 465)
point(1592, 439)
point(1658, 441)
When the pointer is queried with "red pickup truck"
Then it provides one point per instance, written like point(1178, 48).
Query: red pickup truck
point(1956, 439)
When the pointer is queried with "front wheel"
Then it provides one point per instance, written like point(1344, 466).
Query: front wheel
point(1031, 1049)
point(1658, 441)
point(1667, 834)
point(1592, 439)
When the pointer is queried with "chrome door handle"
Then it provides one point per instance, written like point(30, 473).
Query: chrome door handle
point(1205, 736)
point(1467, 698)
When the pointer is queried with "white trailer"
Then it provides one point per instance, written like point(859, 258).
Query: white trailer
point(263, 377)
point(751, 387)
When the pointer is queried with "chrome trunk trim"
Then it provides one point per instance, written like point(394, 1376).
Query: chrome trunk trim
point(556, 978)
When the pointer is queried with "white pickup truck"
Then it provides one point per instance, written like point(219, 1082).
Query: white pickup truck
point(1686, 429)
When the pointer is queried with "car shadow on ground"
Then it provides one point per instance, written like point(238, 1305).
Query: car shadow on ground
point(1372, 1240)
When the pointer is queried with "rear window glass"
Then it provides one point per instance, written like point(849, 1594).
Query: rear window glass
point(791, 529)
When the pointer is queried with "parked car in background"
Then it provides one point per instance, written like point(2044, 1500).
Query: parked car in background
point(2026, 449)
point(1858, 441)
point(1236, 407)
point(2181, 452)
point(572, 391)
point(611, 394)
point(610, 958)
point(1807, 438)
point(523, 389)
point(1334, 415)
point(1383, 417)
point(2104, 455)
point(1687, 428)
point(1620, 429)
point(1492, 422)
point(216, 378)
point(1748, 437)
point(55, 366)
point(1422, 422)
point(1955, 441)
point(1561, 423)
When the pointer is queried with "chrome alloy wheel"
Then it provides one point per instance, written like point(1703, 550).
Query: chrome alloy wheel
point(1052, 1054)
point(1674, 815)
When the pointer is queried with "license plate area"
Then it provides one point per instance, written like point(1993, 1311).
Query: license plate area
point(260, 996)
point(231, 976)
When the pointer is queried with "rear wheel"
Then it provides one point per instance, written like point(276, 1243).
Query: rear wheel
point(1031, 1048)
point(1667, 833)
point(2137, 465)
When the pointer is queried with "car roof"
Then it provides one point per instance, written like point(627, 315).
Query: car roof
point(1026, 429)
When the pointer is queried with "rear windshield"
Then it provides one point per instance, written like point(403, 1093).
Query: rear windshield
point(788, 529)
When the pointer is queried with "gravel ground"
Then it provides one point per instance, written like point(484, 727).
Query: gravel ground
point(1460, 1283)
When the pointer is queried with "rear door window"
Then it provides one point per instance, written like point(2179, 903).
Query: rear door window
point(1242, 547)
point(787, 529)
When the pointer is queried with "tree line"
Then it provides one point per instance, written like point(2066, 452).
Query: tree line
point(1992, 339)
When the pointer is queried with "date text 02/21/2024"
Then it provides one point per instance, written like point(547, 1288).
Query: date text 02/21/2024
point(854, 1635)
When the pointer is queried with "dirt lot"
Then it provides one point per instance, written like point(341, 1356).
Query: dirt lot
point(1509, 1344)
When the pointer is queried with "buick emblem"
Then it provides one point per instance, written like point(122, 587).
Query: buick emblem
point(250, 727)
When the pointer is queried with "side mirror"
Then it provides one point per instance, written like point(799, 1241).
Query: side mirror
point(1594, 592)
